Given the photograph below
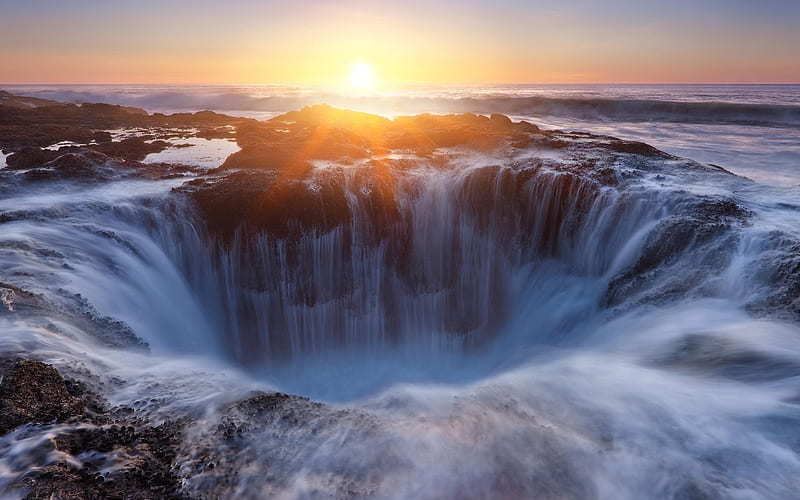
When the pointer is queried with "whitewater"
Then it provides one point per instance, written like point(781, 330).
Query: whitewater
point(516, 332)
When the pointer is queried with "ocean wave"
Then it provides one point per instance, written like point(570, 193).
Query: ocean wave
point(648, 110)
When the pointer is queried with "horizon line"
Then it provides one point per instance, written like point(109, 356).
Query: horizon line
point(391, 85)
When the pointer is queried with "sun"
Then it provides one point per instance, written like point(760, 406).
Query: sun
point(361, 76)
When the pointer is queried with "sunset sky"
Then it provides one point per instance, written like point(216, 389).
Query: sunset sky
point(408, 41)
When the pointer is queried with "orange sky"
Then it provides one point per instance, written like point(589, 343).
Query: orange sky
point(314, 41)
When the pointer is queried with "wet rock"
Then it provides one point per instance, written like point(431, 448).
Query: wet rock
point(30, 157)
point(147, 453)
point(15, 300)
point(779, 276)
point(120, 461)
point(41, 134)
point(21, 102)
point(219, 452)
point(325, 133)
point(637, 148)
point(33, 392)
point(291, 201)
point(110, 331)
point(102, 136)
point(698, 230)
point(122, 455)
point(37, 122)
point(75, 310)
point(112, 454)
point(726, 358)
point(74, 165)
point(62, 482)
point(133, 148)
point(82, 165)
point(215, 133)
point(293, 196)
point(501, 120)
point(263, 408)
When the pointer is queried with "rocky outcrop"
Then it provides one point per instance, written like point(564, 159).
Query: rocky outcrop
point(701, 231)
point(115, 453)
point(10, 100)
point(314, 169)
point(17, 303)
point(30, 157)
point(294, 200)
point(221, 451)
point(325, 133)
point(779, 278)
point(82, 166)
point(278, 189)
point(141, 457)
point(33, 392)
point(132, 148)
point(95, 163)
point(727, 358)
point(35, 122)
point(400, 194)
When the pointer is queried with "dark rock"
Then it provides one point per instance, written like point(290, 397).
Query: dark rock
point(30, 157)
point(40, 133)
point(15, 299)
point(215, 133)
point(638, 148)
point(38, 122)
point(122, 456)
point(82, 165)
point(62, 482)
point(132, 148)
point(142, 465)
point(76, 165)
point(779, 275)
point(699, 226)
point(725, 358)
point(111, 110)
point(21, 102)
point(33, 392)
point(102, 136)
point(76, 311)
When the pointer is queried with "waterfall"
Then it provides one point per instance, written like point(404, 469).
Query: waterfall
point(549, 326)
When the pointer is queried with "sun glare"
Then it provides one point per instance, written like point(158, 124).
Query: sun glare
point(361, 76)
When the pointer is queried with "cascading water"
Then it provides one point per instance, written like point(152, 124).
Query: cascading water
point(457, 264)
point(513, 328)
point(441, 276)
point(479, 262)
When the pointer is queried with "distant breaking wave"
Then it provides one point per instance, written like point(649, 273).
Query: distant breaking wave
point(649, 110)
point(286, 99)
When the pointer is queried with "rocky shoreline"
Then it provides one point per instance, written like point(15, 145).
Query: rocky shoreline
point(88, 437)
point(321, 171)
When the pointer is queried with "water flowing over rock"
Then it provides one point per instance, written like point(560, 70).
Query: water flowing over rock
point(337, 228)
point(352, 306)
